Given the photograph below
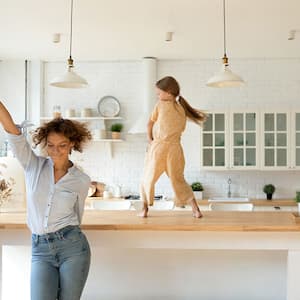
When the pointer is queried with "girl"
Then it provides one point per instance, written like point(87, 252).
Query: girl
point(165, 153)
point(56, 191)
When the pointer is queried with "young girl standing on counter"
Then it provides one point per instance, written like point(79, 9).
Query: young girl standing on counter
point(165, 154)
point(56, 191)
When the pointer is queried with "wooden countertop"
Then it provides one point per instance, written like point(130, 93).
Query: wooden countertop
point(261, 202)
point(256, 202)
point(175, 221)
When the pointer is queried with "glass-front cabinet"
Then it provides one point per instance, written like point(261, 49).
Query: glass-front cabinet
point(251, 140)
point(214, 141)
point(295, 140)
point(276, 145)
point(244, 140)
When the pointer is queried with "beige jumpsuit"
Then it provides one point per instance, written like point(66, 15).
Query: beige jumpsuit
point(165, 153)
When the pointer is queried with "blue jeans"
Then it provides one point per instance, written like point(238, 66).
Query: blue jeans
point(60, 264)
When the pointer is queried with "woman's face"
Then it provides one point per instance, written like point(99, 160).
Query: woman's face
point(164, 96)
point(58, 146)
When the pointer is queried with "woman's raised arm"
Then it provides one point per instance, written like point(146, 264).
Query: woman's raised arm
point(7, 121)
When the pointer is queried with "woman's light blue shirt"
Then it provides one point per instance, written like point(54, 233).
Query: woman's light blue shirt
point(50, 206)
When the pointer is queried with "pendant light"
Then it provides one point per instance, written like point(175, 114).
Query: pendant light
point(70, 79)
point(225, 78)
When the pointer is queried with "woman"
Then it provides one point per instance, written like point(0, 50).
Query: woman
point(56, 191)
point(165, 153)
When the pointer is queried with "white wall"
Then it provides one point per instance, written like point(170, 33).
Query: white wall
point(271, 83)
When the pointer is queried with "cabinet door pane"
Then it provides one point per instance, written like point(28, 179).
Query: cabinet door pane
point(298, 121)
point(238, 122)
point(298, 139)
point(238, 157)
point(281, 157)
point(219, 139)
point(250, 121)
point(269, 139)
point(238, 139)
point(250, 157)
point(298, 157)
point(220, 157)
point(269, 157)
point(207, 139)
point(281, 139)
point(281, 122)
point(250, 139)
point(219, 122)
point(208, 124)
point(207, 157)
point(269, 122)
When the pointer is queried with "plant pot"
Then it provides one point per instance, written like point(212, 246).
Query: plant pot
point(115, 135)
point(269, 196)
point(298, 207)
point(198, 195)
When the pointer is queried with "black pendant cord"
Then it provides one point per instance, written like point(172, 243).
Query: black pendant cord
point(71, 29)
point(224, 27)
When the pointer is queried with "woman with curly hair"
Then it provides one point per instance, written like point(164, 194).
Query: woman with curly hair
point(56, 191)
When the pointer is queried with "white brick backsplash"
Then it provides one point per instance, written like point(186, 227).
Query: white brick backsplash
point(269, 83)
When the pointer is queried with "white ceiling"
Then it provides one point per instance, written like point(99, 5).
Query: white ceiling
point(131, 29)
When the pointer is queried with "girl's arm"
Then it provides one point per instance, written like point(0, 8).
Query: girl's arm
point(149, 130)
point(7, 121)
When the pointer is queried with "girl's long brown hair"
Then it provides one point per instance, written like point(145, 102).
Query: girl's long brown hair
point(170, 85)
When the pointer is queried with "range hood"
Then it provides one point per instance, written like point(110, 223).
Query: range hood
point(149, 80)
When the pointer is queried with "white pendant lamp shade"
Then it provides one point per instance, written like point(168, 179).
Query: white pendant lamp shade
point(70, 79)
point(225, 78)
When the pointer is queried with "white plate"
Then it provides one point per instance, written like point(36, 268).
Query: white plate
point(108, 106)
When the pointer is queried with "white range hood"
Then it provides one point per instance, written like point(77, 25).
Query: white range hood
point(148, 101)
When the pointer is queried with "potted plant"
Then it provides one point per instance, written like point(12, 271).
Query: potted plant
point(269, 189)
point(197, 189)
point(116, 129)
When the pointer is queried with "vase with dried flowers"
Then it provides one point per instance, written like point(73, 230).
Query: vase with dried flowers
point(5, 186)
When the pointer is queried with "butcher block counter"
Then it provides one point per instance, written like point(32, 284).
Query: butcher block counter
point(174, 221)
point(171, 255)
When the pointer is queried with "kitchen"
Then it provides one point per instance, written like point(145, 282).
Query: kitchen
point(258, 51)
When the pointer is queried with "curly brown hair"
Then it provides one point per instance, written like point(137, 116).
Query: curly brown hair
point(75, 131)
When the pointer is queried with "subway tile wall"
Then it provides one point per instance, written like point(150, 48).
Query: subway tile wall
point(271, 83)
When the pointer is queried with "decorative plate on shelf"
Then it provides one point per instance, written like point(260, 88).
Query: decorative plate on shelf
point(108, 106)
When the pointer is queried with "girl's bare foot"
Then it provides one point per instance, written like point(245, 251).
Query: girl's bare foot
point(144, 212)
point(196, 211)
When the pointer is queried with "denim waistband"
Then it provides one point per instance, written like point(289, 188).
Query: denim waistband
point(57, 235)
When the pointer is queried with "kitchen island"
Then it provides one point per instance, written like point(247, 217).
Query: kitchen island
point(170, 255)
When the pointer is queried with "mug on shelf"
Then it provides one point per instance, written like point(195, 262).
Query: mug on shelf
point(70, 113)
point(86, 112)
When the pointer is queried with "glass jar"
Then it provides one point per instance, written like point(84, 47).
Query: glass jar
point(56, 111)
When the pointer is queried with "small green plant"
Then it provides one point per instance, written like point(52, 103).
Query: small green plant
point(297, 199)
point(117, 127)
point(197, 186)
point(269, 189)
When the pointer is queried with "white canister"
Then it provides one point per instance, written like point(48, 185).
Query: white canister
point(106, 194)
point(86, 112)
point(70, 113)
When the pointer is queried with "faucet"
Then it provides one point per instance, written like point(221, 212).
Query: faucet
point(229, 191)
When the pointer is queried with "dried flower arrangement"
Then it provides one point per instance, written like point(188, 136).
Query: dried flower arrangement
point(5, 186)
